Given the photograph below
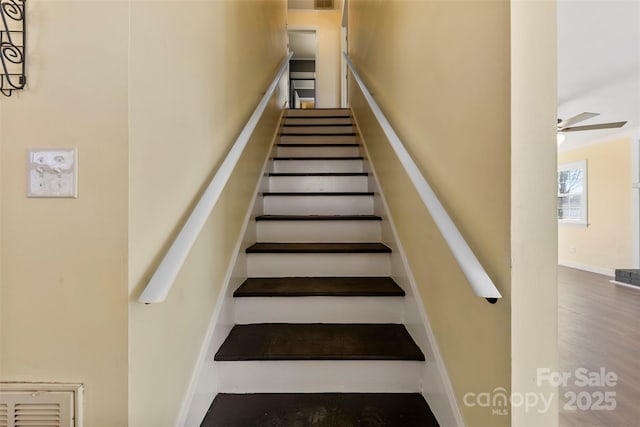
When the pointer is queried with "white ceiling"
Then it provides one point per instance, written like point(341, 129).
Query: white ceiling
point(599, 65)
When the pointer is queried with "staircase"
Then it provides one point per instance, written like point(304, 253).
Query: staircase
point(319, 339)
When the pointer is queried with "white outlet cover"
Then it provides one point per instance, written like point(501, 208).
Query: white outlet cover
point(52, 173)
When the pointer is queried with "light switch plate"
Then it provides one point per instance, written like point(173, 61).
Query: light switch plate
point(53, 173)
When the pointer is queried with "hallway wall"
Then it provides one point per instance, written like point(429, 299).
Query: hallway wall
point(152, 94)
point(446, 92)
point(470, 88)
point(63, 297)
point(606, 244)
point(192, 89)
point(534, 237)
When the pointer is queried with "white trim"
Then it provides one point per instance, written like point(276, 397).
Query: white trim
point(319, 309)
point(590, 268)
point(224, 328)
point(448, 415)
point(75, 388)
point(303, 75)
point(344, 102)
point(571, 223)
point(165, 275)
point(635, 199)
point(344, 42)
point(626, 285)
point(476, 275)
point(320, 376)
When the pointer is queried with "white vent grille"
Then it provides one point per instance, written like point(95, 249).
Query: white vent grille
point(40, 405)
point(40, 414)
point(4, 415)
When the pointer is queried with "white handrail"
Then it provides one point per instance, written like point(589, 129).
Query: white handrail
point(162, 280)
point(478, 278)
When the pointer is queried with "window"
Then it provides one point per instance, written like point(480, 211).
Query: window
point(572, 193)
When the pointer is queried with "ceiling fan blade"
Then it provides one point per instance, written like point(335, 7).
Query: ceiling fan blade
point(594, 127)
point(575, 119)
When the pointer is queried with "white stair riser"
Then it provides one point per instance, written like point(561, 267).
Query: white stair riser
point(318, 183)
point(318, 231)
point(318, 112)
point(314, 139)
point(318, 129)
point(318, 151)
point(319, 376)
point(318, 205)
point(317, 121)
point(316, 166)
point(320, 265)
point(319, 310)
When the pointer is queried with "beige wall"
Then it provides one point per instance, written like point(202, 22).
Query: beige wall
point(534, 308)
point(192, 90)
point(606, 243)
point(64, 280)
point(152, 113)
point(446, 92)
point(463, 102)
point(328, 56)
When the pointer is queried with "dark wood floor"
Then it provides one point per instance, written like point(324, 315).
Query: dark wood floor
point(599, 327)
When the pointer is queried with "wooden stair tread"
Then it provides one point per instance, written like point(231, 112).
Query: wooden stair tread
point(318, 112)
point(319, 341)
point(318, 158)
point(318, 193)
point(319, 410)
point(319, 286)
point(317, 248)
point(318, 174)
point(335, 116)
point(317, 145)
point(318, 218)
point(308, 110)
point(317, 134)
point(297, 125)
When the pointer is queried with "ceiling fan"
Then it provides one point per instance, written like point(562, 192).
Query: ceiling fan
point(565, 125)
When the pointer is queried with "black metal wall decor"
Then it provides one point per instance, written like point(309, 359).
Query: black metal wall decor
point(13, 40)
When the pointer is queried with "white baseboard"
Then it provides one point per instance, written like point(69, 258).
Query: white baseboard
point(590, 268)
point(436, 386)
point(626, 285)
point(203, 384)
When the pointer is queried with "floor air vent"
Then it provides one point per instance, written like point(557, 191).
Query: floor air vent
point(50, 405)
